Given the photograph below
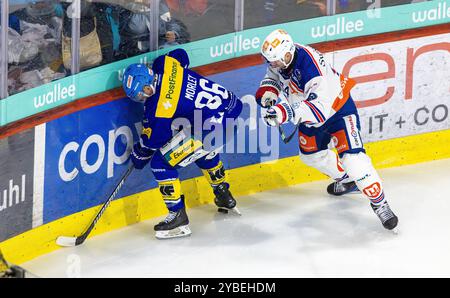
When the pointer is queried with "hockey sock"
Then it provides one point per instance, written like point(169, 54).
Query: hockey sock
point(171, 193)
point(216, 175)
point(360, 169)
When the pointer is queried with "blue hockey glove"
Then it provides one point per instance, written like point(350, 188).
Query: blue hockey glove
point(140, 155)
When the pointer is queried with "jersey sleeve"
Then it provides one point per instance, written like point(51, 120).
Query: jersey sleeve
point(158, 64)
point(271, 80)
point(181, 56)
point(156, 132)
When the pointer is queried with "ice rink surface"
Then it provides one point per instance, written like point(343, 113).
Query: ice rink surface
point(298, 231)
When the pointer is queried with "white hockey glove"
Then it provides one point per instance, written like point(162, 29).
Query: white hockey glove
point(267, 94)
point(268, 99)
point(278, 114)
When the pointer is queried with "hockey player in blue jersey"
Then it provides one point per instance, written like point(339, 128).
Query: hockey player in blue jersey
point(320, 104)
point(174, 94)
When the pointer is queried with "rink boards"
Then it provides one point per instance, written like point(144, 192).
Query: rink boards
point(71, 164)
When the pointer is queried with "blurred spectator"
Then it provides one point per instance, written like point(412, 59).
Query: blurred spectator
point(343, 6)
point(204, 18)
point(188, 7)
point(34, 45)
point(135, 25)
point(99, 34)
point(399, 2)
point(269, 12)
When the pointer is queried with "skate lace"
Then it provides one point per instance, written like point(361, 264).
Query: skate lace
point(384, 212)
point(170, 217)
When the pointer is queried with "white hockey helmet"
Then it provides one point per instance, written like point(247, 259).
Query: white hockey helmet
point(276, 45)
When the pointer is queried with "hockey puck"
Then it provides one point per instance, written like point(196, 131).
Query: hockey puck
point(223, 210)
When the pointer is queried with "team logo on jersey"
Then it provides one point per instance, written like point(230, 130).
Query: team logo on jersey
point(147, 132)
point(297, 75)
point(340, 141)
point(307, 144)
point(302, 140)
point(335, 141)
point(171, 85)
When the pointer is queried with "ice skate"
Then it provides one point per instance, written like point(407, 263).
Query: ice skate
point(385, 214)
point(176, 224)
point(340, 188)
point(224, 199)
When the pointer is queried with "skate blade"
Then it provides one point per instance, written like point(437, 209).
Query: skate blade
point(181, 231)
point(234, 210)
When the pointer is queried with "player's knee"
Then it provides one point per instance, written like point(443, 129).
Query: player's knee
point(360, 169)
point(326, 161)
point(209, 161)
point(161, 170)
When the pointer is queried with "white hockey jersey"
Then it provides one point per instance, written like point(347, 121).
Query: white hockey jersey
point(314, 90)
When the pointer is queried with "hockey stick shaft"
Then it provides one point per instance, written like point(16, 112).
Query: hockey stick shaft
point(74, 241)
point(3, 263)
point(12, 271)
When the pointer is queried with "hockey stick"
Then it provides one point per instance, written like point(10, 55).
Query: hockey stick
point(8, 270)
point(281, 130)
point(283, 135)
point(3, 264)
point(74, 241)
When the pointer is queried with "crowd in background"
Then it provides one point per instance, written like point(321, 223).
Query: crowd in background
point(39, 33)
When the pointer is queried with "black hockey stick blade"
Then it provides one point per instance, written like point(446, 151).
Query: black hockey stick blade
point(283, 135)
point(66, 241)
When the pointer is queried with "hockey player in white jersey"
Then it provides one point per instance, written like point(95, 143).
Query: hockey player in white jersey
point(320, 104)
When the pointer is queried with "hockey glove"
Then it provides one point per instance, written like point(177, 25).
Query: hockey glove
point(278, 114)
point(267, 94)
point(140, 155)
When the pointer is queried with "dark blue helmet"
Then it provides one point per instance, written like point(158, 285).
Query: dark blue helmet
point(135, 77)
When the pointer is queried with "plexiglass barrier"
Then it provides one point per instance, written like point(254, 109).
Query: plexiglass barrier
point(38, 66)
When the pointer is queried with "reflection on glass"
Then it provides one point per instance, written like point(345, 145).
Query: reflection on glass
point(343, 6)
point(386, 3)
point(98, 34)
point(34, 44)
point(135, 24)
point(204, 18)
point(117, 29)
point(260, 13)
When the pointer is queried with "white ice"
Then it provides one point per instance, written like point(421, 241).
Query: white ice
point(298, 231)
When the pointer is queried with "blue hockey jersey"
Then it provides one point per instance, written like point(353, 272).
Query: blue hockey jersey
point(181, 93)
